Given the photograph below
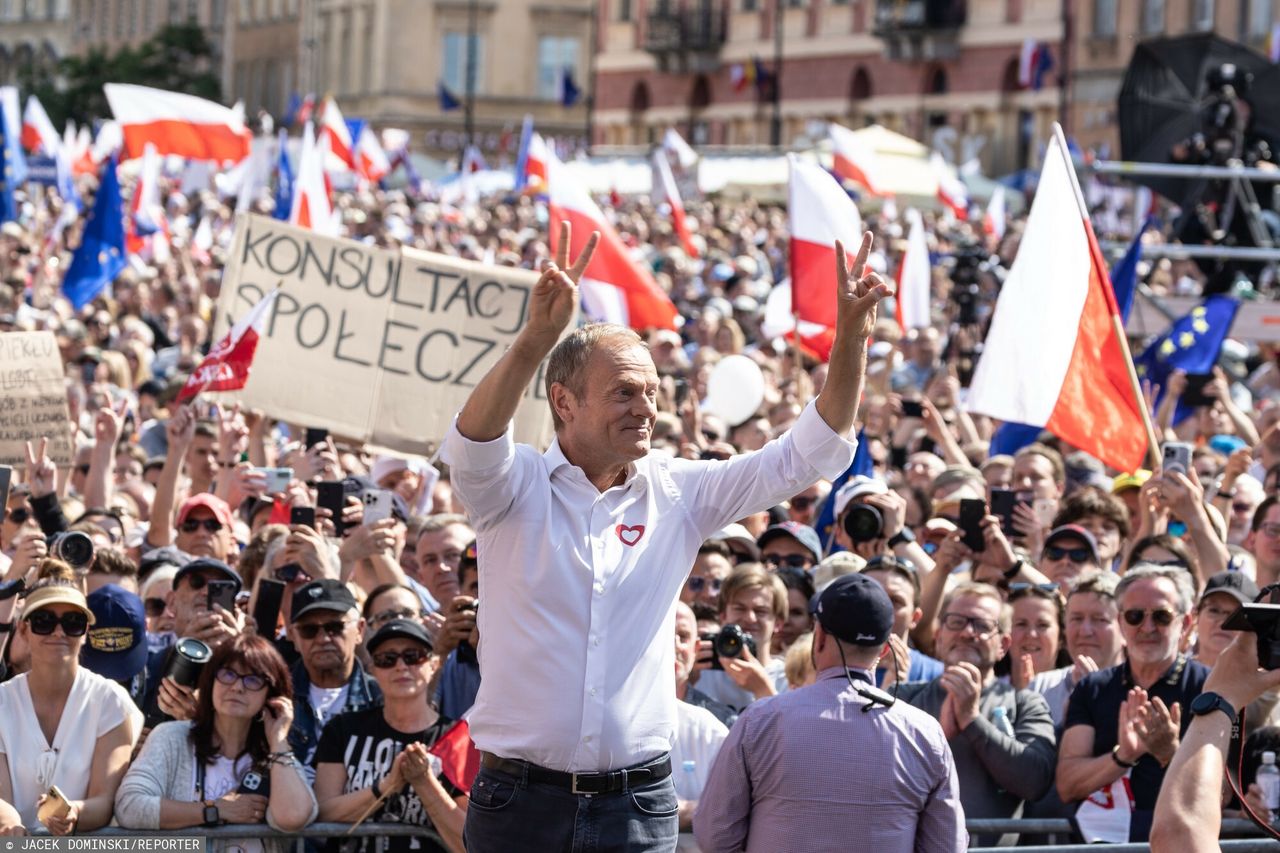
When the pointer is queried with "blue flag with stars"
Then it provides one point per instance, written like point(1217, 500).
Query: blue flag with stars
point(284, 181)
point(8, 209)
point(100, 256)
point(861, 466)
point(1191, 345)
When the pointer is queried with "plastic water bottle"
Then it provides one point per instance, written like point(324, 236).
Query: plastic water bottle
point(1269, 781)
point(688, 789)
point(1000, 718)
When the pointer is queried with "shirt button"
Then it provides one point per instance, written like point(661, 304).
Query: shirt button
point(600, 589)
point(595, 641)
point(593, 691)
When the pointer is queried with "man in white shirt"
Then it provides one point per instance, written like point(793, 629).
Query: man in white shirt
point(584, 550)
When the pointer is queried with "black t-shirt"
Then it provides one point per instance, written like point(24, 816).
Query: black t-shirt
point(366, 745)
point(1096, 702)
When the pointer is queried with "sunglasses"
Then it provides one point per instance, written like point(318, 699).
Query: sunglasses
point(1163, 618)
point(74, 624)
point(390, 615)
point(1075, 555)
point(411, 657)
point(699, 584)
point(795, 561)
point(290, 572)
point(803, 502)
point(191, 525)
point(154, 606)
point(252, 681)
point(19, 515)
point(82, 469)
point(1027, 587)
point(312, 630)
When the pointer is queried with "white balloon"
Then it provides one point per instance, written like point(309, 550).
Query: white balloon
point(735, 389)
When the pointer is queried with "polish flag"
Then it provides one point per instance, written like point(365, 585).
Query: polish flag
point(334, 128)
point(536, 162)
point(459, 758)
point(38, 135)
point(664, 189)
point(83, 163)
point(854, 160)
point(674, 144)
point(614, 288)
point(951, 190)
point(915, 277)
point(178, 124)
point(226, 367)
point(146, 217)
point(780, 322)
point(311, 205)
point(372, 161)
point(1056, 356)
point(994, 222)
point(820, 213)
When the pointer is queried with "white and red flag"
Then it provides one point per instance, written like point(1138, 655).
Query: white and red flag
point(226, 367)
point(614, 288)
point(536, 160)
point(1056, 356)
point(334, 128)
point(951, 190)
point(177, 124)
point(665, 189)
point(915, 277)
point(820, 212)
point(993, 222)
point(38, 135)
point(854, 159)
point(312, 207)
point(371, 159)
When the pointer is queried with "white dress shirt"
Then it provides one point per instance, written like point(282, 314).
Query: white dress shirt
point(578, 587)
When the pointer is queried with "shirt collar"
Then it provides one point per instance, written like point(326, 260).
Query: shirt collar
point(637, 472)
point(833, 672)
point(1171, 676)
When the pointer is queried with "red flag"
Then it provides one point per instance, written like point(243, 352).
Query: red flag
point(459, 758)
point(226, 367)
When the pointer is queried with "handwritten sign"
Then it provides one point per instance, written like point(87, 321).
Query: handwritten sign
point(373, 344)
point(33, 397)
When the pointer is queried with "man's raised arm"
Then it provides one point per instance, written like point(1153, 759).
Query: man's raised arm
point(856, 300)
point(493, 403)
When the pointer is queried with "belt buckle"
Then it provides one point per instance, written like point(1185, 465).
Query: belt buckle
point(573, 785)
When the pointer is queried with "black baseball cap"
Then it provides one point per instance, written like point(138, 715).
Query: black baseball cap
point(1235, 584)
point(407, 629)
point(855, 609)
point(208, 564)
point(324, 594)
point(167, 555)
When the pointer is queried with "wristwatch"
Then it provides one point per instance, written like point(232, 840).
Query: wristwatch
point(1115, 756)
point(211, 816)
point(1012, 572)
point(1207, 703)
point(905, 536)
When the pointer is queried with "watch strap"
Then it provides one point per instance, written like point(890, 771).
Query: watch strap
point(1207, 703)
point(903, 537)
point(1012, 572)
point(1115, 756)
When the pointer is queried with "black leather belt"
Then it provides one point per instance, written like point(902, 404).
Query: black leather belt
point(608, 782)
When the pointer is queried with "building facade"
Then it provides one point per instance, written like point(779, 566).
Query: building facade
point(941, 71)
point(263, 55)
point(110, 25)
point(34, 36)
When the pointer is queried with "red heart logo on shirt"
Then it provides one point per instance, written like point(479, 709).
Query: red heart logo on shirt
point(629, 535)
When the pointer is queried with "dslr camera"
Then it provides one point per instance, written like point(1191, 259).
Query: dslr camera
point(863, 523)
point(728, 642)
point(73, 548)
point(1262, 617)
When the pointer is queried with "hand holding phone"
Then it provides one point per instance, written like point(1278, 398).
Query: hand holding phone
point(1176, 456)
point(377, 506)
point(304, 516)
point(54, 805)
point(223, 594)
point(971, 514)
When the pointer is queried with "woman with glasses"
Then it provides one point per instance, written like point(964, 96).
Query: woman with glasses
point(378, 759)
point(232, 762)
point(61, 724)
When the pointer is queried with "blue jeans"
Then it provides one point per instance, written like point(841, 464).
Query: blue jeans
point(509, 814)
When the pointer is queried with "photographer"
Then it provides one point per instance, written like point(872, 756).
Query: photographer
point(754, 601)
point(871, 521)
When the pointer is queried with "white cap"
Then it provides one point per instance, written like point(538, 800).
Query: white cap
point(856, 487)
point(1268, 757)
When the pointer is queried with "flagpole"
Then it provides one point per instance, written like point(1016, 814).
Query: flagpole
point(1117, 326)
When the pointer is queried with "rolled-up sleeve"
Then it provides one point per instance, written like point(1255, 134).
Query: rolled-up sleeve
point(484, 474)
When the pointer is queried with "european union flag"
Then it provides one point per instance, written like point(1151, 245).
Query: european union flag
point(1011, 437)
point(8, 209)
point(284, 181)
point(569, 91)
point(1124, 275)
point(100, 256)
point(292, 110)
point(1191, 345)
point(448, 101)
point(861, 466)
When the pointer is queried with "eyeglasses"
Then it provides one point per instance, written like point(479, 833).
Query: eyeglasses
point(411, 657)
point(958, 622)
point(19, 515)
point(889, 562)
point(390, 615)
point(191, 525)
point(697, 585)
point(795, 561)
point(1027, 587)
point(312, 630)
point(1135, 617)
point(74, 623)
point(1242, 507)
point(291, 572)
point(1075, 555)
point(154, 606)
point(1271, 530)
point(802, 502)
point(252, 681)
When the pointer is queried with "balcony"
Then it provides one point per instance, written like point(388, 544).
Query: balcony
point(685, 38)
point(920, 30)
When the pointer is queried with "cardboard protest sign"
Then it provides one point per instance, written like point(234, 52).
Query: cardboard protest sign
point(33, 397)
point(372, 344)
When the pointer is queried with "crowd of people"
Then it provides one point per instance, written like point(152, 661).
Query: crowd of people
point(182, 648)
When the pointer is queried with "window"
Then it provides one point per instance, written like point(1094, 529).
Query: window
point(1202, 15)
point(1104, 18)
point(556, 54)
point(624, 10)
point(749, 5)
point(1152, 17)
point(1260, 17)
point(453, 71)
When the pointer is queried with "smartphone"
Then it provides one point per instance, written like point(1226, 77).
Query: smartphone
point(278, 479)
point(1194, 394)
point(377, 505)
point(681, 392)
point(303, 515)
point(266, 610)
point(314, 436)
point(6, 477)
point(971, 514)
point(898, 457)
point(1002, 503)
point(55, 804)
point(222, 593)
point(330, 495)
point(1045, 509)
point(912, 409)
point(1176, 456)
